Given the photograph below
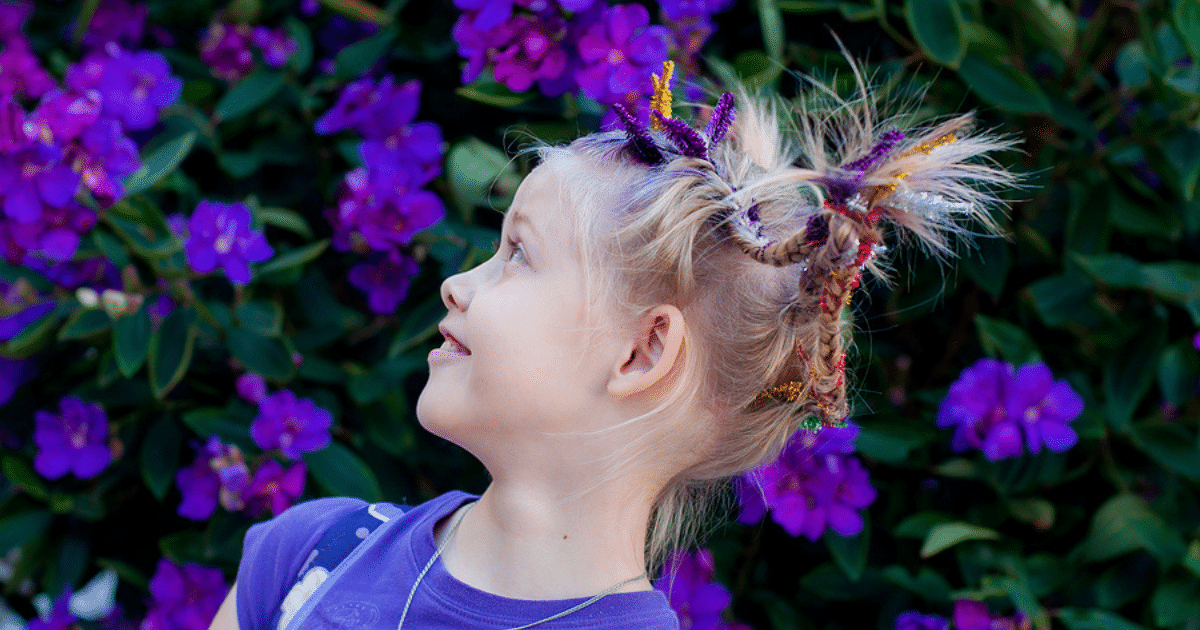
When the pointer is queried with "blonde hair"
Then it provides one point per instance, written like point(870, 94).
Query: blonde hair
point(765, 301)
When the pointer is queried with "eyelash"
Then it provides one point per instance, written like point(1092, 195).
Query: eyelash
point(514, 247)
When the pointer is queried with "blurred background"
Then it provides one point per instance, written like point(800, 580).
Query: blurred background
point(224, 226)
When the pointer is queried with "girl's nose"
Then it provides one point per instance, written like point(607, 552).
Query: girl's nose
point(457, 291)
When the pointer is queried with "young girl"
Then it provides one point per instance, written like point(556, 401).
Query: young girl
point(665, 308)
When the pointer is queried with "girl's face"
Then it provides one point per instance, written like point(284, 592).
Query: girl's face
point(519, 361)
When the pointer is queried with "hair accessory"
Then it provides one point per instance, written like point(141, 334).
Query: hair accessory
point(683, 138)
point(661, 101)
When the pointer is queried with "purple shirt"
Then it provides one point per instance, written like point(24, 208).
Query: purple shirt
point(377, 576)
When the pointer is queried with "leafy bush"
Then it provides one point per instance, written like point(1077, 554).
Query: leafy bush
point(224, 227)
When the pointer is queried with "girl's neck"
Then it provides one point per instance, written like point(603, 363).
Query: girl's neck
point(529, 543)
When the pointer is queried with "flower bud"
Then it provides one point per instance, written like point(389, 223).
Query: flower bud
point(88, 297)
point(115, 302)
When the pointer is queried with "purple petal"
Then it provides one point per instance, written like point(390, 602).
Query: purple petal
point(1057, 436)
point(1004, 440)
point(201, 256)
point(624, 19)
point(90, 461)
point(52, 464)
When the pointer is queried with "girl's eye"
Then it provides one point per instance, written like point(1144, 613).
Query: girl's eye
point(515, 252)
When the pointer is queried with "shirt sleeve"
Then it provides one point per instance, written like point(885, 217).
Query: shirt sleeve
point(274, 552)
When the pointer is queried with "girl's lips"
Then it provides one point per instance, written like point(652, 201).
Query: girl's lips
point(452, 345)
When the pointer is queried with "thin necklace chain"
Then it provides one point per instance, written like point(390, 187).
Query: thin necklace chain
point(446, 541)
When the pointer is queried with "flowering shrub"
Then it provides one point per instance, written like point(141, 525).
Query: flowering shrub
point(223, 228)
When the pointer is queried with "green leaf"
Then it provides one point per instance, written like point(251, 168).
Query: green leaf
point(1136, 217)
point(1094, 619)
point(1133, 67)
point(161, 163)
point(489, 92)
point(1062, 299)
point(1192, 560)
point(1003, 85)
point(342, 473)
point(1185, 14)
point(160, 456)
point(131, 341)
point(171, 350)
point(1183, 155)
point(937, 25)
point(18, 529)
point(261, 317)
point(84, 323)
point(890, 442)
point(301, 59)
point(1124, 524)
point(249, 94)
point(1005, 340)
point(1129, 374)
point(419, 325)
point(33, 338)
point(1176, 601)
point(111, 247)
point(918, 525)
point(294, 258)
point(1114, 270)
point(21, 473)
point(1037, 512)
point(1171, 446)
point(264, 355)
point(472, 167)
point(1176, 281)
point(771, 22)
point(289, 220)
point(946, 535)
point(850, 553)
point(219, 422)
point(354, 60)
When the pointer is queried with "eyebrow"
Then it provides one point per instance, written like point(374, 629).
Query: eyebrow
point(519, 217)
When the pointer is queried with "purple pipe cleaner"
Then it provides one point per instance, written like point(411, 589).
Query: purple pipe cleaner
point(881, 148)
point(643, 146)
point(722, 116)
point(686, 139)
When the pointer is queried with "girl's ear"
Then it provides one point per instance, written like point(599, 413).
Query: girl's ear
point(654, 348)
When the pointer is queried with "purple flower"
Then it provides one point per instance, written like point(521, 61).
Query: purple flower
point(32, 178)
point(220, 234)
point(275, 44)
point(677, 10)
point(104, 157)
point(135, 86)
point(54, 235)
point(486, 14)
point(1196, 341)
point(13, 15)
point(381, 207)
point(687, 579)
point(251, 387)
point(525, 48)
point(72, 441)
point(184, 597)
point(63, 115)
point(619, 52)
point(1044, 408)
point(309, 8)
point(118, 21)
point(21, 73)
point(200, 488)
point(995, 410)
point(275, 488)
point(292, 425)
point(60, 616)
point(385, 281)
point(225, 47)
point(384, 115)
point(98, 273)
point(973, 615)
point(217, 475)
point(13, 374)
point(913, 620)
point(976, 404)
point(814, 484)
point(16, 313)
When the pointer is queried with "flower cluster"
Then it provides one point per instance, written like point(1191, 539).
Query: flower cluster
point(222, 235)
point(220, 474)
point(184, 597)
point(73, 141)
point(75, 440)
point(382, 203)
point(997, 408)
point(117, 21)
point(228, 48)
point(815, 484)
point(698, 600)
point(60, 617)
point(562, 46)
